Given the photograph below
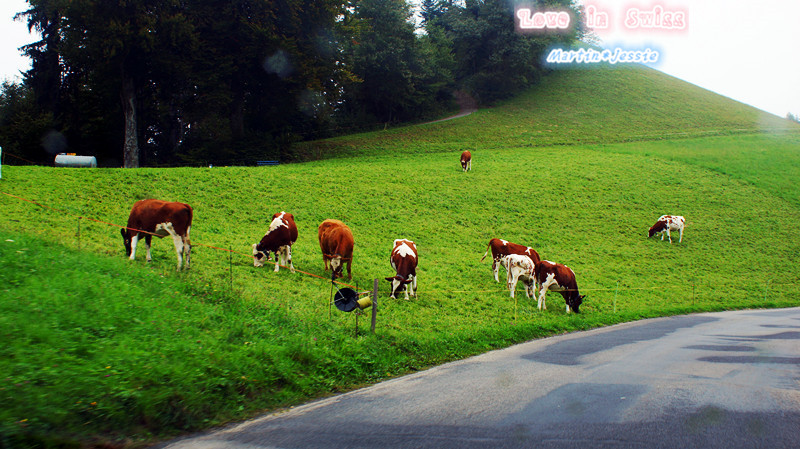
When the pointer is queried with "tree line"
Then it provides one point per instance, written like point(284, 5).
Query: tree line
point(177, 82)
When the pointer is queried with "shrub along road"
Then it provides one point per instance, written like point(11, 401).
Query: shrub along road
point(708, 380)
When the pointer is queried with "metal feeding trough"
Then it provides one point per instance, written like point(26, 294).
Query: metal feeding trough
point(347, 300)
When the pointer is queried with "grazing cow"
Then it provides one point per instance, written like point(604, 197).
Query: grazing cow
point(159, 218)
point(466, 160)
point(520, 268)
point(404, 261)
point(279, 239)
point(336, 242)
point(667, 223)
point(501, 248)
point(559, 278)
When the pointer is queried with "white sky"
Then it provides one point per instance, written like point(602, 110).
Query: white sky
point(744, 49)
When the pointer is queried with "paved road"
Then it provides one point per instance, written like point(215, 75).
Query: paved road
point(717, 380)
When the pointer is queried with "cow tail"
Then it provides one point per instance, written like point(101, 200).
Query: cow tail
point(487, 251)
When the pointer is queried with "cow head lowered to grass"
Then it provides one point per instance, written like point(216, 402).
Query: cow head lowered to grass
point(404, 261)
point(159, 218)
point(336, 242)
point(279, 239)
point(667, 223)
point(559, 278)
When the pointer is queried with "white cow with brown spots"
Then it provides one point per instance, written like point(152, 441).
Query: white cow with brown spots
point(667, 223)
point(520, 267)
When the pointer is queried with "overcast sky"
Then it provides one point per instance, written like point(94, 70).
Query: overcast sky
point(743, 49)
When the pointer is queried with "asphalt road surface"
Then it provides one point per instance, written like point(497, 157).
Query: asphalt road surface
point(715, 380)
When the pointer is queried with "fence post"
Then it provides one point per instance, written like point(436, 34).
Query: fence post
point(374, 304)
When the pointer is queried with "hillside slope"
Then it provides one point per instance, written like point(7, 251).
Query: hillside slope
point(572, 106)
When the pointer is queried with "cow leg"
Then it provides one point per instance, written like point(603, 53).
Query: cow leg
point(545, 286)
point(179, 249)
point(512, 282)
point(147, 240)
point(668, 236)
point(279, 258)
point(325, 260)
point(134, 242)
point(349, 275)
point(187, 249)
point(542, 303)
point(530, 291)
point(681, 239)
point(496, 270)
point(289, 257)
point(413, 285)
point(513, 277)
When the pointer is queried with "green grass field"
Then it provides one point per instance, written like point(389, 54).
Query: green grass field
point(111, 352)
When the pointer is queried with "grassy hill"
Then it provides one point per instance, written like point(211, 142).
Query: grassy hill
point(112, 352)
point(610, 105)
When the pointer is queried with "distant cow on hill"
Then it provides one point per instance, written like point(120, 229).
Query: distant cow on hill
point(520, 268)
point(404, 261)
point(279, 239)
point(501, 248)
point(159, 218)
point(466, 160)
point(336, 242)
point(558, 278)
point(667, 223)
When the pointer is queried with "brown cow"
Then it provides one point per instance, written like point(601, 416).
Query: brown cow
point(279, 239)
point(159, 218)
point(466, 160)
point(501, 248)
point(404, 261)
point(559, 278)
point(336, 242)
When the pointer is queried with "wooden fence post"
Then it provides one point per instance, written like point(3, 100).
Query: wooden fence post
point(374, 304)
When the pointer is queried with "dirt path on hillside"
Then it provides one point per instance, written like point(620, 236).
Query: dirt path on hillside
point(466, 103)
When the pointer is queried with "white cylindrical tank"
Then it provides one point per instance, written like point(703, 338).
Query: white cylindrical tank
point(71, 160)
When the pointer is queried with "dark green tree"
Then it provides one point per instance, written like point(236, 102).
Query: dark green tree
point(23, 125)
point(493, 60)
point(397, 70)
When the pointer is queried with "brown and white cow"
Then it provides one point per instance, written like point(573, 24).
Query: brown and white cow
point(520, 267)
point(466, 160)
point(280, 237)
point(159, 218)
point(667, 223)
point(336, 242)
point(501, 248)
point(558, 278)
point(404, 261)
